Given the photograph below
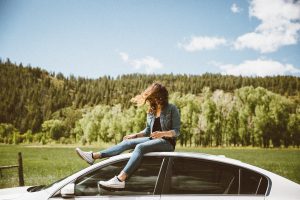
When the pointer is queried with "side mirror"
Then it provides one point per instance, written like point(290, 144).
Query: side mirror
point(68, 191)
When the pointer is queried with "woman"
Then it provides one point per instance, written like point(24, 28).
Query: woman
point(162, 128)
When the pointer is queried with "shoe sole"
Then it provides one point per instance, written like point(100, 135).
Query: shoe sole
point(77, 151)
point(109, 188)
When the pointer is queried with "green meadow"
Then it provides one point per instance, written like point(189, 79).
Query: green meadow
point(46, 164)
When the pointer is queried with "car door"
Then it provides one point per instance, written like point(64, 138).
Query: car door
point(145, 183)
point(196, 179)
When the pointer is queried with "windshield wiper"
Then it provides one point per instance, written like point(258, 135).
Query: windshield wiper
point(36, 188)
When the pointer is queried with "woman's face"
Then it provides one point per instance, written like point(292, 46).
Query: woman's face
point(152, 100)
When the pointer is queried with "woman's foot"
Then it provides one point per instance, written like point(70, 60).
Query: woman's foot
point(87, 156)
point(113, 183)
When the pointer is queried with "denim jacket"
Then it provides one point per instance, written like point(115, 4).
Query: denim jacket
point(169, 120)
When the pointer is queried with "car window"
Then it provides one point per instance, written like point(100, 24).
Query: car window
point(142, 181)
point(195, 176)
point(253, 183)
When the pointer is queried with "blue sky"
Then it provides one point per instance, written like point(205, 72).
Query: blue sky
point(96, 38)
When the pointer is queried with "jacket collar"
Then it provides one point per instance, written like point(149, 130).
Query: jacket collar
point(165, 109)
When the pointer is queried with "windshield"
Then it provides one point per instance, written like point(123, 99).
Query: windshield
point(43, 187)
point(48, 186)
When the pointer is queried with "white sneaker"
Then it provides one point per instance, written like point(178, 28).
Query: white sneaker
point(87, 156)
point(113, 183)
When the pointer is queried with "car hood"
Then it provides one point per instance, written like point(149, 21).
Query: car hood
point(12, 193)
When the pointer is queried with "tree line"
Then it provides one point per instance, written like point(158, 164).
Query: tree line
point(216, 110)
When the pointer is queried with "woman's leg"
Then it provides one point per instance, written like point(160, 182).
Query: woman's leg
point(122, 146)
point(90, 157)
point(155, 145)
point(118, 182)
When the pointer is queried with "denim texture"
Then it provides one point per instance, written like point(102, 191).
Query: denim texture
point(141, 146)
point(169, 120)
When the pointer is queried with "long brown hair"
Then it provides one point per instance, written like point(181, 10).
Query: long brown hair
point(155, 94)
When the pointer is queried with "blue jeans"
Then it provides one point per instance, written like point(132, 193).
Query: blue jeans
point(141, 146)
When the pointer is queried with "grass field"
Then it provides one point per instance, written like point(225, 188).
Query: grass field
point(45, 164)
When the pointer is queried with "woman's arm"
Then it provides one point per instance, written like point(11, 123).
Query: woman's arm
point(176, 121)
point(134, 135)
point(160, 134)
point(143, 133)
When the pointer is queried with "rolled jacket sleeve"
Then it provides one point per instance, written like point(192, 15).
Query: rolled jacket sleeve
point(147, 130)
point(175, 121)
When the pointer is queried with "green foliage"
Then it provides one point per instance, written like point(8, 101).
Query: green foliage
point(29, 96)
point(105, 123)
point(9, 134)
point(263, 117)
point(28, 137)
point(91, 126)
point(189, 111)
point(294, 127)
point(38, 106)
point(54, 129)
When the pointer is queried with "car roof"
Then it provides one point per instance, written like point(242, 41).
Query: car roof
point(209, 157)
point(204, 156)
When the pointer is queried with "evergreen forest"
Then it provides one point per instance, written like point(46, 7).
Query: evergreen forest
point(37, 106)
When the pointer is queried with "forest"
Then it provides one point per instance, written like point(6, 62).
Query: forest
point(38, 106)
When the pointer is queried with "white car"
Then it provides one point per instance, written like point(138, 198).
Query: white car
point(167, 175)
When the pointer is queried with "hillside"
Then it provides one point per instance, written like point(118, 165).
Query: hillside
point(29, 96)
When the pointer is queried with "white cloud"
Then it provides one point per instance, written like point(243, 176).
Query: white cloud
point(235, 9)
point(259, 67)
point(124, 56)
point(148, 63)
point(201, 43)
point(279, 25)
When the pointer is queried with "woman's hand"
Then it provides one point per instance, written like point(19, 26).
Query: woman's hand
point(157, 134)
point(130, 136)
point(160, 134)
